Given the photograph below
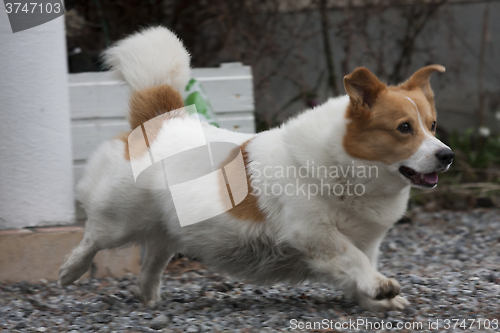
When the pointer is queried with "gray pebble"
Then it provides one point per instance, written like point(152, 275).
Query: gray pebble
point(159, 322)
point(193, 329)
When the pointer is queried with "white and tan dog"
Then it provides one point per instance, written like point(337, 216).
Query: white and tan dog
point(292, 226)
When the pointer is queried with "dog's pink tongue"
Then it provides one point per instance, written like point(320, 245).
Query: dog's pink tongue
point(431, 178)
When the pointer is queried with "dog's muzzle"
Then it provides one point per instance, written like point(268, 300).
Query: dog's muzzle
point(445, 157)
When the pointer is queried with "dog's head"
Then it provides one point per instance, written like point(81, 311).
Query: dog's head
point(396, 125)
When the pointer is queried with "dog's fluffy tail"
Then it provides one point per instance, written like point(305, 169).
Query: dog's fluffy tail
point(149, 58)
point(156, 65)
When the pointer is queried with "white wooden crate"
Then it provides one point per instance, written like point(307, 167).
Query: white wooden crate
point(99, 105)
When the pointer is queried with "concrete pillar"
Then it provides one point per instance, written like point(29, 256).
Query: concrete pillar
point(36, 175)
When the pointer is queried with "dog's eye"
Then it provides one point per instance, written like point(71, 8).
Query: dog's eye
point(433, 126)
point(404, 128)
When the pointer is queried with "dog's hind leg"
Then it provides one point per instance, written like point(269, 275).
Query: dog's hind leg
point(100, 234)
point(156, 258)
point(78, 262)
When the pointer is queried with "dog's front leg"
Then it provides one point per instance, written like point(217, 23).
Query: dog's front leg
point(351, 270)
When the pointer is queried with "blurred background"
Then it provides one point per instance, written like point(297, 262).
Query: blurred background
point(299, 52)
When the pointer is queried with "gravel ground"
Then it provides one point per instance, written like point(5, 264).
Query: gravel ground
point(448, 264)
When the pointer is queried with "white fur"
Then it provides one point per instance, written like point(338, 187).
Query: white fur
point(322, 237)
point(142, 65)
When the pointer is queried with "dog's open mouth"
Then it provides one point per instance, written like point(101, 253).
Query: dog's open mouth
point(419, 179)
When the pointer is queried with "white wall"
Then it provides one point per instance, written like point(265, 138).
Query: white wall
point(36, 180)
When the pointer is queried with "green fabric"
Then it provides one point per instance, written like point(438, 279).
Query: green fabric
point(190, 84)
point(198, 97)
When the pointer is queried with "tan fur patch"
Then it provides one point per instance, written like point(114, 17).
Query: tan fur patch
point(149, 103)
point(145, 105)
point(123, 136)
point(249, 208)
point(372, 132)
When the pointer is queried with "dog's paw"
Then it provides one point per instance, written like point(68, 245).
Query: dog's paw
point(387, 289)
point(73, 268)
point(399, 303)
point(67, 276)
point(149, 301)
point(396, 303)
point(378, 287)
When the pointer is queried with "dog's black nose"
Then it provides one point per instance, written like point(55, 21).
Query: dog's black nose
point(445, 156)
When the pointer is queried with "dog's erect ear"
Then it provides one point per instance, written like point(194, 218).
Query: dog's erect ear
point(421, 80)
point(363, 88)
